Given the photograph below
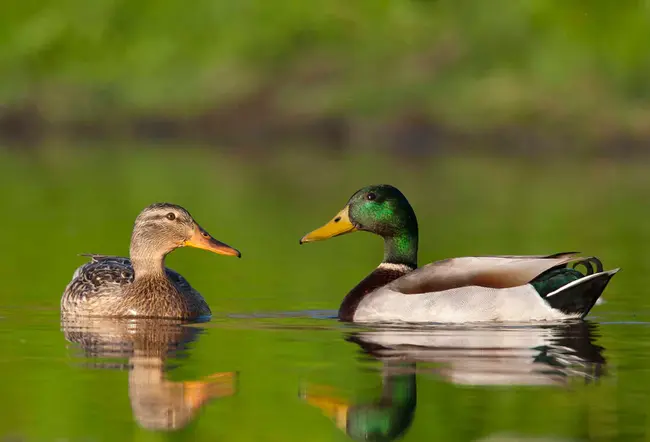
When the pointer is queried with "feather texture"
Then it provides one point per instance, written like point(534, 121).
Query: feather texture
point(484, 271)
point(99, 288)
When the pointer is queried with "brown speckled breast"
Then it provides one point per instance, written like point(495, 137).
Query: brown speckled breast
point(106, 287)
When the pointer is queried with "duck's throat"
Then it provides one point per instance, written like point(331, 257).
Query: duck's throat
point(401, 249)
point(148, 267)
point(147, 261)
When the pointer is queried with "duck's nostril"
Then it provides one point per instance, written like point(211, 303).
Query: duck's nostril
point(337, 219)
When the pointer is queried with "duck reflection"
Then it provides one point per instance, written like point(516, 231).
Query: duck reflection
point(384, 419)
point(157, 403)
point(482, 356)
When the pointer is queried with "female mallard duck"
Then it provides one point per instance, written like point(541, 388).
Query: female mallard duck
point(142, 286)
point(487, 288)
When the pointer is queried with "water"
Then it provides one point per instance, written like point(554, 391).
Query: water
point(272, 363)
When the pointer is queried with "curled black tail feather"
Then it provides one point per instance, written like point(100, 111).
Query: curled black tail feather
point(578, 297)
point(592, 265)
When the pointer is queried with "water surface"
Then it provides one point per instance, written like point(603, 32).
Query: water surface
point(272, 363)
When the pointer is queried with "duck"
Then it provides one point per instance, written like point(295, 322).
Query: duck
point(500, 288)
point(141, 285)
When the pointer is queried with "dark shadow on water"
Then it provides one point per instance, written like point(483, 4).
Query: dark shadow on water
point(143, 347)
point(547, 355)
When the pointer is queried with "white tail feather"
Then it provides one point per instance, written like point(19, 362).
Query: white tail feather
point(582, 280)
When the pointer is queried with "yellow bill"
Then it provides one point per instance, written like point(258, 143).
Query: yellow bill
point(339, 225)
point(331, 406)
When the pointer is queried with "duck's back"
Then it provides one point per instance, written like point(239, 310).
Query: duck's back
point(102, 277)
point(98, 289)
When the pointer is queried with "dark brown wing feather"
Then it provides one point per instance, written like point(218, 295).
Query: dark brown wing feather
point(114, 272)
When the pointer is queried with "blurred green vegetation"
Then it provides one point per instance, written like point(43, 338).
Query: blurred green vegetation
point(574, 67)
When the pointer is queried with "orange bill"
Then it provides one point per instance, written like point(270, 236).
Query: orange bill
point(214, 386)
point(339, 225)
point(203, 240)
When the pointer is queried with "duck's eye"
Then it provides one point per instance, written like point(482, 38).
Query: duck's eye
point(371, 196)
point(171, 216)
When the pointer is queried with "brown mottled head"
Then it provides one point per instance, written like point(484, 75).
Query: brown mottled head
point(163, 227)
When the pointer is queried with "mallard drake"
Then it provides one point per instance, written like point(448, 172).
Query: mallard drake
point(469, 289)
point(142, 286)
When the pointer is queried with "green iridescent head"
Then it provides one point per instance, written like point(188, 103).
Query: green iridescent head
point(380, 209)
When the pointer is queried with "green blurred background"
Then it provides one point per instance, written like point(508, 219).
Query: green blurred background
point(407, 74)
point(512, 127)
